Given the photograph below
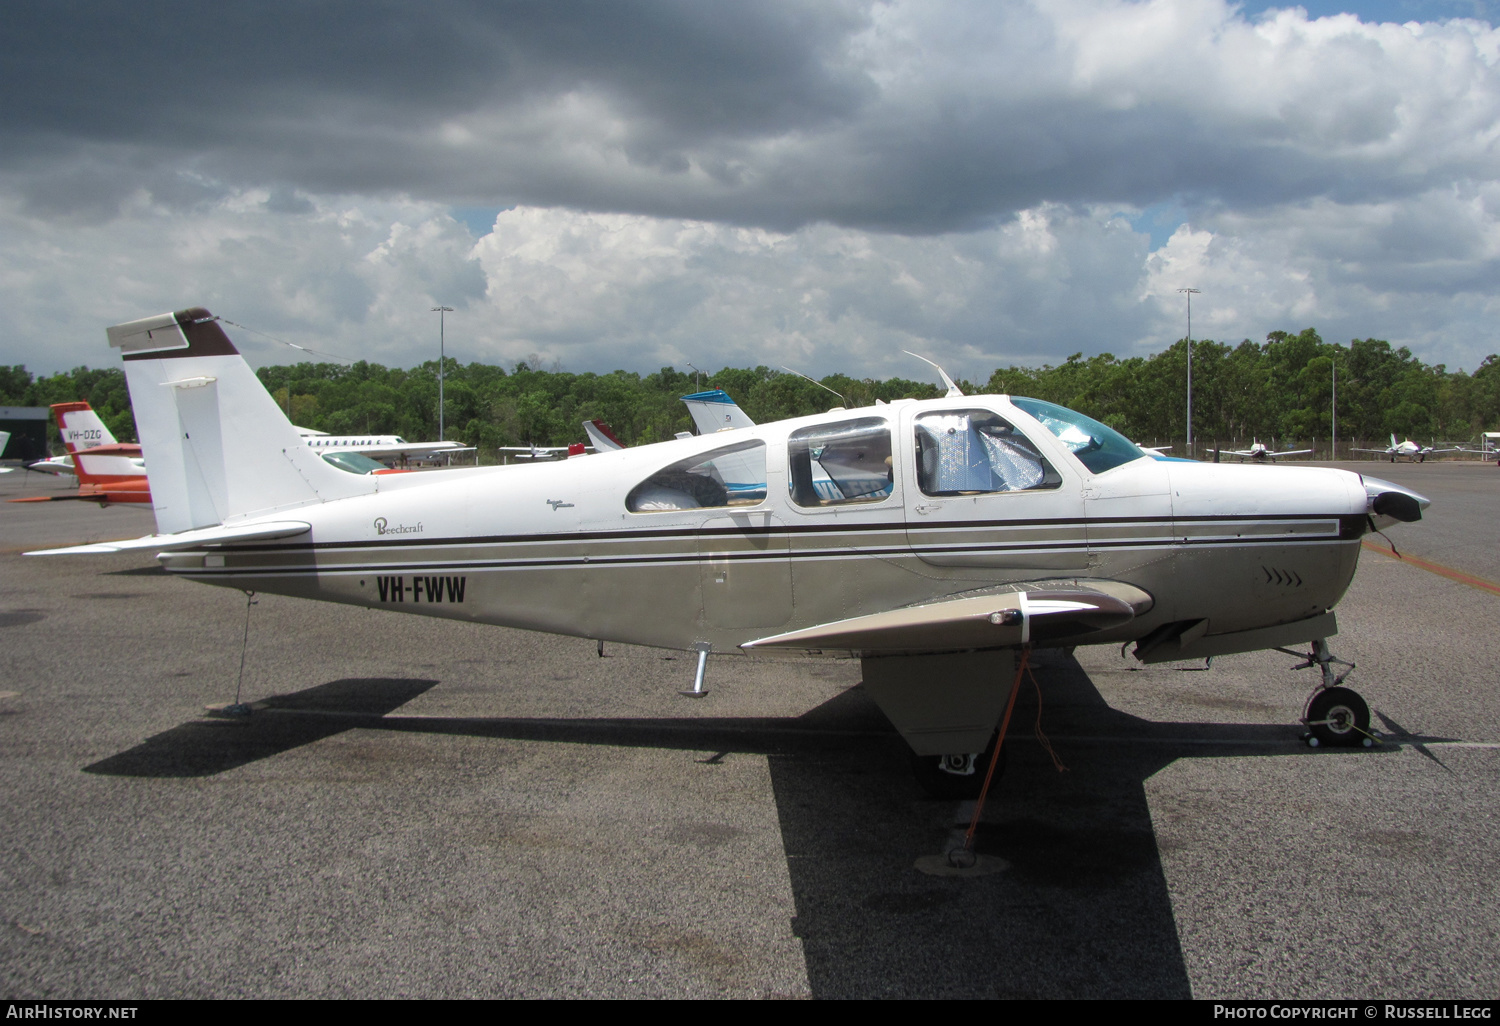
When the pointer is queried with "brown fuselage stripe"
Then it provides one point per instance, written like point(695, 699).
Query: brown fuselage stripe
point(1439, 569)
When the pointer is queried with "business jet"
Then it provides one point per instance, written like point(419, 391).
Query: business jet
point(960, 532)
point(1260, 453)
point(381, 447)
point(1414, 451)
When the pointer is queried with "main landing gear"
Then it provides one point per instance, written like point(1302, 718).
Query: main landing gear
point(1334, 715)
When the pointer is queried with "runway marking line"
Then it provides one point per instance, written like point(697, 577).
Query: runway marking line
point(1439, 569)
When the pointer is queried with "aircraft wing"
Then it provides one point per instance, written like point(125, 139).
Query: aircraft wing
point(1383, 452)
point(1289, 452)
point(188, 539)
point(1015, 615)
point(53, 465)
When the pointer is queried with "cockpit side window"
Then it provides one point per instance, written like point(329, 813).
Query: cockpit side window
point(838, 464)
point(969, 452)
point(732, 476)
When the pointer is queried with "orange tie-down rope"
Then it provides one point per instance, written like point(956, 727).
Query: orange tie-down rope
point(1015, 689)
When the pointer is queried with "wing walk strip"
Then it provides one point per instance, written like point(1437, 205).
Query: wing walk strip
point(1440, 570)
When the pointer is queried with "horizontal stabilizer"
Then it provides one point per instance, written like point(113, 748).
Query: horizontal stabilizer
point(1016, 616)
point(188, 539)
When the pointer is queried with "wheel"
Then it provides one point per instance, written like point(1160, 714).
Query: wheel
point(958, 777)
point(1338, 716)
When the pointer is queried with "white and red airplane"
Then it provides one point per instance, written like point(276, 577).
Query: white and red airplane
point(108, 471)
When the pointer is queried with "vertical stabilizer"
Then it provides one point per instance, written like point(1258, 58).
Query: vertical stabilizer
point(601, 437)
point(80, 427)
point(218, 449)
point(715, 411)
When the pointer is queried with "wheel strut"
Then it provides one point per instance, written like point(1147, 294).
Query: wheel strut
point(1333, 714)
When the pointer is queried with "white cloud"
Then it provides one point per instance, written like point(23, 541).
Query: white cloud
point(816, 185)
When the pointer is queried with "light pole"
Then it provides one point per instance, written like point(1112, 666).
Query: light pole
point(1335, 408)
point(1190, 294)
point(443, 311)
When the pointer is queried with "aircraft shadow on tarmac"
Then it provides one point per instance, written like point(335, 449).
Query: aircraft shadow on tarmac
point(1084, 910)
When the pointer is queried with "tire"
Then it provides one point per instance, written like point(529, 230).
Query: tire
point(945, 786)
point(1338, 716)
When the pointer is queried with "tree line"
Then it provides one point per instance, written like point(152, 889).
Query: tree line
point(1280, 391)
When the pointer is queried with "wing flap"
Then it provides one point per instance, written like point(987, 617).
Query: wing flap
point(1018, 615)
point(187, 539)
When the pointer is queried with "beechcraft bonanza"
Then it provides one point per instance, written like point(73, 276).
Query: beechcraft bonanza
point(1260, 453)
point(1414, 451)
point(959, 532)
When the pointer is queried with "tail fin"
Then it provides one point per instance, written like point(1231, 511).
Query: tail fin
point(600, 436)
point(218, 447)
point(715, 411)
point(1394, 443)
point(80, 426)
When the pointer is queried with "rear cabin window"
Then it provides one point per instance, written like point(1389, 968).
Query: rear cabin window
point(838, 464)
point(732, 476)
point(968, 452)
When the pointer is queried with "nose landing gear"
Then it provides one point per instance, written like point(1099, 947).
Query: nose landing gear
point(1334, 715)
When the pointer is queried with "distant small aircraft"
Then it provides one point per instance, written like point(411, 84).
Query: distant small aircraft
point(4, 441)
point(381, 447)
point(601, 439)
point(108, 471)
point(957, 533)
point(80, 428)
point(1259, 453)
point(1414, 451)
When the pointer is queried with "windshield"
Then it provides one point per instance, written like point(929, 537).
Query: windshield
point(353, 462)
point(1097, 446)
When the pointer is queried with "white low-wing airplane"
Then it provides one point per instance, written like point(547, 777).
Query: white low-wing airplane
point(1260, 453)
point(959, 530)
point(1414, 451)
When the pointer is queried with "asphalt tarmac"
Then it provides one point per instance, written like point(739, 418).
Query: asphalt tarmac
point(428, 808)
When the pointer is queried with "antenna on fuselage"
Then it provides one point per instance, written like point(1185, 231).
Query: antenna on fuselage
point(842, 401)
point(953, 389)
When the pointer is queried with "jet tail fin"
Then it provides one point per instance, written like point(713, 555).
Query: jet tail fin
point(600, 436)
point(220, 448)
point(715, 411)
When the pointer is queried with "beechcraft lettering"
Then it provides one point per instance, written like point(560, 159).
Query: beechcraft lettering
point(421, 589)
point(935, 540)
point(384, 526)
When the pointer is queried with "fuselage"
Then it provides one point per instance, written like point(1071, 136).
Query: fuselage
point(649, 546)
